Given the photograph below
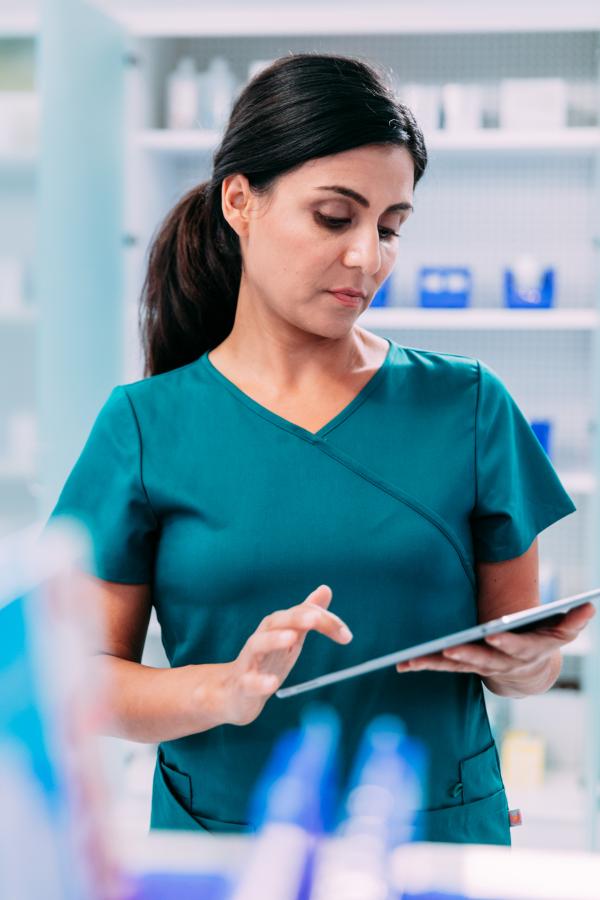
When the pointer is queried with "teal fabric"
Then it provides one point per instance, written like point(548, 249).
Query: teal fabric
point(231, 511)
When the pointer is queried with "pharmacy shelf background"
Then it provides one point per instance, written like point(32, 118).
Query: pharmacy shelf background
point(18, 118)
point(488, 195)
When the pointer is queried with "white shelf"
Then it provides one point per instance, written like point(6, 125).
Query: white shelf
point(10, 472)
point(18, 317)
point(188, 18)
point(14, 163)
point(566, 140)
point(177, 143)
point(481, 319)
point(581, 646)
point(578, 482)
point(18, 22)
point(560, 798)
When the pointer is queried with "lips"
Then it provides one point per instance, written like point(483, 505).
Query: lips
point(347, 299)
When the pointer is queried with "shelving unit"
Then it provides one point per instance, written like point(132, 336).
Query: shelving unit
point(486, 196)
point(18, 30)
point(568, 141)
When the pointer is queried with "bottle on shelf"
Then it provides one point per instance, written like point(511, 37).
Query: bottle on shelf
point(183, 95)
point(217, 93)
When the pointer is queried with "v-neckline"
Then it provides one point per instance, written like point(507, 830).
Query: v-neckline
point(281, 421)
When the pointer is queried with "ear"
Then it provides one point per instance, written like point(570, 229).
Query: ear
point(236, 202)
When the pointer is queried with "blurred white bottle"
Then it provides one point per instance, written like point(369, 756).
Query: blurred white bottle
point(218, 90)
point(183, 95)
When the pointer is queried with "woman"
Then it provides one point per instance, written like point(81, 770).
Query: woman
point(280, 460)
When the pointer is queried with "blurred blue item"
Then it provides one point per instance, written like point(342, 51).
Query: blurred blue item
point(387, 780)
point(291, 806)
point(382, 297)
point(536, 295)
point(436, 895)
point(182, 885)
point(542, 428)
point(298, 784)
point(46, 763)
point(448, 287)
point(383, 795)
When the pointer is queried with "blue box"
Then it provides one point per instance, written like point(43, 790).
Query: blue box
point(542, 428)
point(447, 287)
point(382, 297)
point(540, 296)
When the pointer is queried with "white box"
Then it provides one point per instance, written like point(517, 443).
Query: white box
point(530, 104)
point(19, 122)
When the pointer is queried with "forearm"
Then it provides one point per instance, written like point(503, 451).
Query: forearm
point(535, 679)
point(151, 704)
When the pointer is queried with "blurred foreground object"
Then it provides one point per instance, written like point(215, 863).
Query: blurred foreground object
point(54, 835)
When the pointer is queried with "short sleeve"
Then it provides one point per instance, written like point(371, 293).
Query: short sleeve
point(518, 493)
point(104, 492)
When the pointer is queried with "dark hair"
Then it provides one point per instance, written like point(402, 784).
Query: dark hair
point(301, 107)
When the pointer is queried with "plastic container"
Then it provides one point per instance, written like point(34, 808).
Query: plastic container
point(530, 104)
point(183, 95)
point(462, 107)
point(291, 806)
point(217, 93)
point(447, 287)
point(528, 285)
point(542, 428)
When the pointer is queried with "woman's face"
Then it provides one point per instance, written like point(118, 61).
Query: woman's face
point(332, 223)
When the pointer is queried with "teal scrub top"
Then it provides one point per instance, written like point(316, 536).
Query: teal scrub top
point(231, 512)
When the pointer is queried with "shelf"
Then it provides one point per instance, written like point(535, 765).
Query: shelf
point(560, 798)
point(187, 18)
point(19, 22)
point(18, 317)
point(13, 163)
point(178, 143)
point(10, 472)
point(581, 646)
point(481, 319)
point(578, 482)
point(567, 140)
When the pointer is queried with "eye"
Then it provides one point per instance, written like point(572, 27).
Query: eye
point(335, 224)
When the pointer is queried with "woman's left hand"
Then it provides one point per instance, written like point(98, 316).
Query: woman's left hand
point(509, 656)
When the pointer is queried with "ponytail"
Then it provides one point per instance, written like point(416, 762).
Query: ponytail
point(192, 282)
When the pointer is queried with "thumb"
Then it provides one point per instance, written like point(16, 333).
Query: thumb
point(321, 596)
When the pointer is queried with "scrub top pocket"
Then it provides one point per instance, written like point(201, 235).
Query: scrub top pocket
point(170, 792)
point(482, 817)
point(481, 822)
point(172, 803)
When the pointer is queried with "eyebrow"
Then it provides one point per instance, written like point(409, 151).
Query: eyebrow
point(354, 195)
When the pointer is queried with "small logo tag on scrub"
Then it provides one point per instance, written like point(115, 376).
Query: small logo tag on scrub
point(515, 817)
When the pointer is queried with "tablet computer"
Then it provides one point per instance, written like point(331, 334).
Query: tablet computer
point(526, 620)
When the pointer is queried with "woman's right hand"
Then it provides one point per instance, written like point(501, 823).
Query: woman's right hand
point(270, 653)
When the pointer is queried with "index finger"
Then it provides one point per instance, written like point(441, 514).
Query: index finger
point(309, 617)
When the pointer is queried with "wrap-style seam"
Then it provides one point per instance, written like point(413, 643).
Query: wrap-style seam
point(409, 501)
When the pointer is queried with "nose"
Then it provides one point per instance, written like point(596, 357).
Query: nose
point(364, 250)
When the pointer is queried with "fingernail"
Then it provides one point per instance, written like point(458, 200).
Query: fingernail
point(344, 633)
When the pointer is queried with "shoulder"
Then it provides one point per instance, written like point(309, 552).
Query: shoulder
point(429, 367)
point(165, 390)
